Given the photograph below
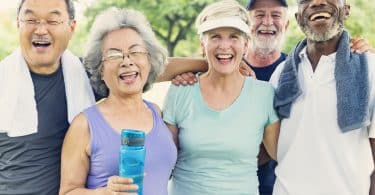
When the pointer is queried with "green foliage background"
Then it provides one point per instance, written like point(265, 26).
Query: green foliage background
point(173, 23)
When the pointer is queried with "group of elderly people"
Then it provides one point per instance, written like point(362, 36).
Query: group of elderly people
point(206, 139)
point(204, 136)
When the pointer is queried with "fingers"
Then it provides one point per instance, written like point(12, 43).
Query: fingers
point(252, 74)
point(247, 71)
point(189, 77)
point(359, 45)
point(123, 188)
point(119, 185)
point(185, 79)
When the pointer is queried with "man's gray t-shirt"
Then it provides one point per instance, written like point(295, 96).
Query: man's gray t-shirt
point(31, 164)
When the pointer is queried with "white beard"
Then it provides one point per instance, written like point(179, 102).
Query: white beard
point(325, 36)
point(266, 46)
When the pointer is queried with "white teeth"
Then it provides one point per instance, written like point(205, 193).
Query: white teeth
point(266, 31)
point(41, 42)
point(321, 14)
point(128, 74)
point(224, 56)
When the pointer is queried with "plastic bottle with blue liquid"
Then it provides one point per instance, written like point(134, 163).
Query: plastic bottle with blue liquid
point(132, 156)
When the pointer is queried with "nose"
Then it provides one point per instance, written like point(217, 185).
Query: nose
point(318, 3)
point(41, 29)
point(126, 61)
point(225, 43)
point(268, 20)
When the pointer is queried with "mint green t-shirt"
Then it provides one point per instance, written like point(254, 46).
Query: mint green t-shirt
point(218, 149)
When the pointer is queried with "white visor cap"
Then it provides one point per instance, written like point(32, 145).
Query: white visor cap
point(233, 21)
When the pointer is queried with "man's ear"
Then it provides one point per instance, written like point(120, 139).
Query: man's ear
point(296, 16)
point(18, 22)
point(346, 11)
point(287, 25)
point(73, 25)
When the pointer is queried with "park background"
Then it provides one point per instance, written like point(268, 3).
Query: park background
point(173, 24)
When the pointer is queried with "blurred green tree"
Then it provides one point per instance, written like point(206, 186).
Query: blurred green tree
point(173, 23)
point(8, 33)
point(172, 20)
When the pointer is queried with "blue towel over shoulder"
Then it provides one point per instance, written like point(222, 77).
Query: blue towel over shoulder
point(352, 85)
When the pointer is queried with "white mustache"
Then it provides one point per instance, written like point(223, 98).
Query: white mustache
point(271, 28)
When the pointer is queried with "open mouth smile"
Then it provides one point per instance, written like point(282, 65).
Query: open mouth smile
point(41, 44)
point(224, 57)
point(128, 76)
point(266, 32)
point(320, 16)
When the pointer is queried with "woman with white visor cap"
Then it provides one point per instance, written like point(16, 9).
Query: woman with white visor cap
point(219, 122)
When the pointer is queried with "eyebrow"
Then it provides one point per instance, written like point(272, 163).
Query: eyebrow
point(259, 11)
point(272, 12)
point(28, 12)
point(114, 49)
point(135, 45)
point(53, 12)
point(276, 12)
point(129, 48)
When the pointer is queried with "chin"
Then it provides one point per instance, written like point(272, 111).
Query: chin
point(322, 36)
point(131, 91)
point(43, 63)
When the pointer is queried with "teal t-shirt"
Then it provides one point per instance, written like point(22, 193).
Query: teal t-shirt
point(218, 149)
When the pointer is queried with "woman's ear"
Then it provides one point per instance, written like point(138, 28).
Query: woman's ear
point(101, 71)
point(246, 47)
point(346, 11)
point(202, 47)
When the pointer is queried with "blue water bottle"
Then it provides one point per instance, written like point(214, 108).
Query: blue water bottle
point(132, 156)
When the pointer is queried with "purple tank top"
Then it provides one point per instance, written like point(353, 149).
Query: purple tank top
point(161, 153)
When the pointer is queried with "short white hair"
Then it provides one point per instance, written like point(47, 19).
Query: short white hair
point(113, 19)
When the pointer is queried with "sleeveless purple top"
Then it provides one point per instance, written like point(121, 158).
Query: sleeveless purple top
point(161, 153)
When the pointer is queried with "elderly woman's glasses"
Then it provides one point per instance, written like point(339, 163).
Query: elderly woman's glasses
point(118, 57)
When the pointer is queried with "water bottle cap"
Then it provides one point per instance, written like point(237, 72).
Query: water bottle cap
point(132, 137)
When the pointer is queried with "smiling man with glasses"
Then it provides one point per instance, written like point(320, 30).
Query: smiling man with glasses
point(42, 87)
point(42, 45)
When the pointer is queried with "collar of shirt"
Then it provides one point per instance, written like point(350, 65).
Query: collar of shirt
point(324, 71)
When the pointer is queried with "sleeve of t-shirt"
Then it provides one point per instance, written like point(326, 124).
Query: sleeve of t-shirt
point(274, 80)
point(272, 116)
point(371, 69)
point(170, 105)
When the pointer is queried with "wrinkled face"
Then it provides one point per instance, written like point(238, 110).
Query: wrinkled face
point(268, 23)
point(321, 20)
point(224, 49)
point(125, 66)
point(45, 30)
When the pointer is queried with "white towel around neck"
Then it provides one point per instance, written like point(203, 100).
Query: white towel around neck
point(18, 112)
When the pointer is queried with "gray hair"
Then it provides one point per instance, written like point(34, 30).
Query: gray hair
point(222, 9)
point(114, 19)
point(69, 6)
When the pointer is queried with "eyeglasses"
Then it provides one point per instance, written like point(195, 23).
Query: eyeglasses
point(118, 57)
point(36, 22)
